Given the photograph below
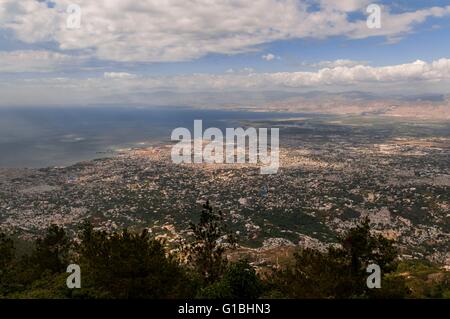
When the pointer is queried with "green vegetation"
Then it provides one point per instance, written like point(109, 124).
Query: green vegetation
point(206, 252)
point(425, 279)
point(341, 272)
point(134, 265)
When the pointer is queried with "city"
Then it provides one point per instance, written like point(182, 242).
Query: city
point(331, 177)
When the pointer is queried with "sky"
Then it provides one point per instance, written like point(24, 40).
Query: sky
point(85, 52)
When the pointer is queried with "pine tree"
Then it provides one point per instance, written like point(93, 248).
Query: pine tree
point(211, 238)
point(340, 272)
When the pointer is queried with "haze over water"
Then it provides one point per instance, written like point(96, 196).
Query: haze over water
point(42, 137)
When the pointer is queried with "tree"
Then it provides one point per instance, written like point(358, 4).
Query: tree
point(6, 252)
point(211, 239)
point(128, 265)
point(341, 272)
point(240, 281)
point(314, 275)
point(6, 259)
point(359, 249)
point(52, 251)
point(48, 258)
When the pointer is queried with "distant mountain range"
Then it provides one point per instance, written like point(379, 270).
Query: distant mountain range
point(421, 106)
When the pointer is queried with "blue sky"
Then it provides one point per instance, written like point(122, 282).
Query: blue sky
point(175, 45)
point(427, 41)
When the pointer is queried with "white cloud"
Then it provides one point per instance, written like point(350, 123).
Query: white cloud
point(394, 26)
point(345, 5)
point(409, 74)
point(270, 57)
point(36, 61)
point(415, 77)
point(246, 70)
point(336, 63)
point(118, 75)
point(179, 30)
point(404, 75)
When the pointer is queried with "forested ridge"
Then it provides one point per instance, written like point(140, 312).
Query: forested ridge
point(135, 265)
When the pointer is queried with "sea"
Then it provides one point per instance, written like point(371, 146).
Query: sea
point(37, 137)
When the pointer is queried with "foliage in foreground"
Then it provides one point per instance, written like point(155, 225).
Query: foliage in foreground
point(135, 265)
